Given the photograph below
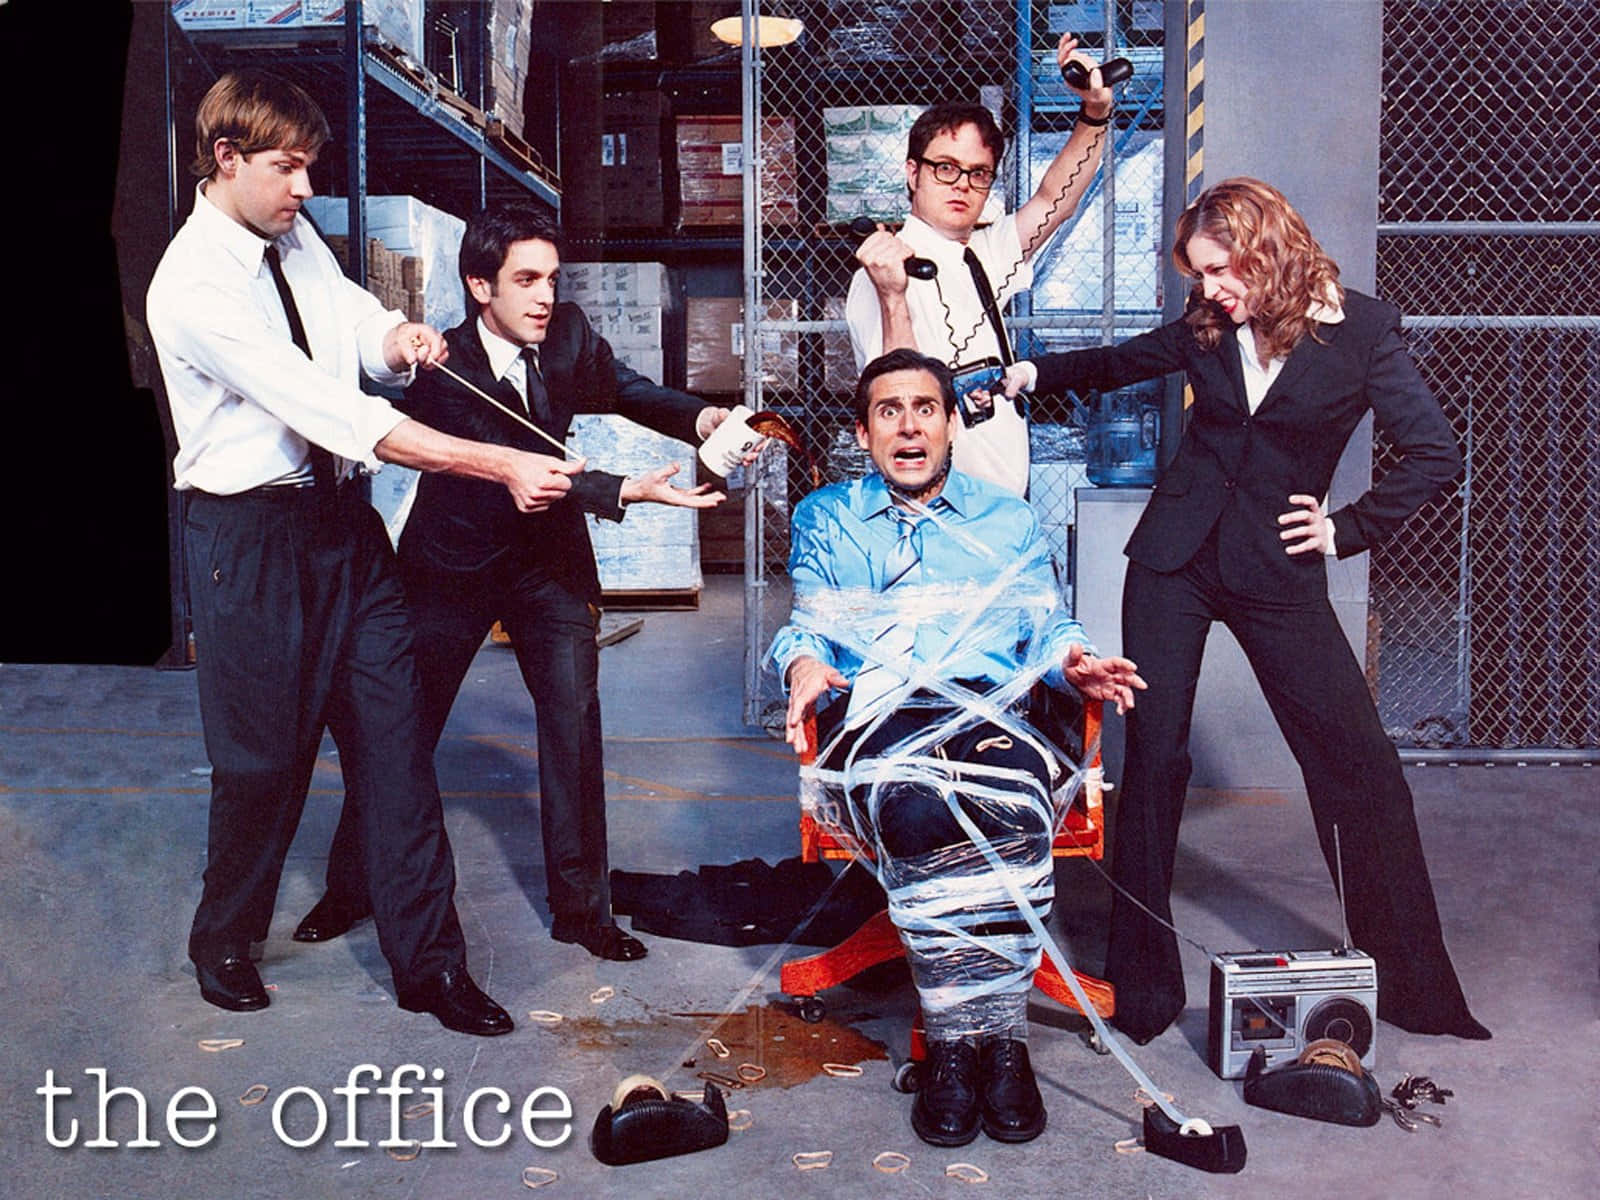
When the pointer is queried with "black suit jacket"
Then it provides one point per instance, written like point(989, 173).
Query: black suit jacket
point(464, 525)
point(1235, 471)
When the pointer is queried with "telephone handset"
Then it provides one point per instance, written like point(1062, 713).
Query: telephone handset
point(1112, 72)
point(917, 268)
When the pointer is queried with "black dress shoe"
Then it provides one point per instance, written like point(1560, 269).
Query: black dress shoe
point(329, 918)
point(603, 941)
point(945, 1112)
point(457, 1002)
point(1013, 1110)
point(232, 983)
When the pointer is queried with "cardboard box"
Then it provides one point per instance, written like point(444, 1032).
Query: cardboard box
point(408, 227)
point(398, 21)
point(1075, 277)
point(711, 172)
point(876, 31)
point(510, 38)
point(715, 345)
point(654, 547)
point(278, 13)
point(209, 14)
point(615, 179)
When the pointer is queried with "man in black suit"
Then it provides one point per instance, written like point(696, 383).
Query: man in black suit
point(1284, 362)
point(469, 558)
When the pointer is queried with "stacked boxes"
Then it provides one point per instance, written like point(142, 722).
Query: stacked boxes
point(711, 171)
point(1075, 277)
point(395, 279)
point(509, 40)
point(716, 345)
point(866, 154)
point(419, 246)
point(408, 227)
point(655, 547)
point(627, 305)
point(616, 180)
point(397, 21)
point(876, 31)
point(839, 372)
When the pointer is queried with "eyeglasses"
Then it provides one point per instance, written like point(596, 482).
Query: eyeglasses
point(981, 178)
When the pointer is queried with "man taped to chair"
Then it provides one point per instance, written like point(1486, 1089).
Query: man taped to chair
point(925, 609)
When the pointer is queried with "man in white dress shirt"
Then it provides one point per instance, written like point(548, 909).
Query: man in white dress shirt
point(299, 618)
point(952, 156)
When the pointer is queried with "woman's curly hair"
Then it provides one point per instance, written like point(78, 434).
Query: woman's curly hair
point(1272, 252)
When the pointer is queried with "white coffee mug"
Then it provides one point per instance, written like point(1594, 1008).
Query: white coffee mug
point(729, 442)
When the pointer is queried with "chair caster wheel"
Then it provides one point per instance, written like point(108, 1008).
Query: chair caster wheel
point(811, 1009)
point(907, 1077)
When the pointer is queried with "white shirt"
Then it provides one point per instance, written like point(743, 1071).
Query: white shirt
point(506, 361)
point(244, 398)
point(999, 250)
point(949, 323)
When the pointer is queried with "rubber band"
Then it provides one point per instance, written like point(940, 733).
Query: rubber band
point(726, 1081)
point(813, 1160)
point(405, 1152)
point(738, 1125)
point(536, 1177)
point(601, 994)
point(1128, 1146)
point(751, 1073)
point(1144, 1100)
point(891, 1162)
point(216, 1045)
point(424, 1109)
point(543, 1016)
point(716, 1046)
point(842, 1070)
point(966, 1172)
point(254, 1095)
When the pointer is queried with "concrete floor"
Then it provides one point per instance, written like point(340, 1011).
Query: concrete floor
point(102, 837)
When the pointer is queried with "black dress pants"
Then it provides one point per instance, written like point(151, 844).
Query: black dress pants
point(1319, 697)
point(300, 625)
point(552, 632)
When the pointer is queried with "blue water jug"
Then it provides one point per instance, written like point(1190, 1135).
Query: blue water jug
point(1124, 433)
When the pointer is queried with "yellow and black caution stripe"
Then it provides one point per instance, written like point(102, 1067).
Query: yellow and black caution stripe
point(1195, 91)
point(1194, 149)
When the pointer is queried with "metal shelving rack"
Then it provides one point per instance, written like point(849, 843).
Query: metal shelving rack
point(398, 131)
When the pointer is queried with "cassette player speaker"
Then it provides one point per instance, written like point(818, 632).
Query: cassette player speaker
point(1284, 1001)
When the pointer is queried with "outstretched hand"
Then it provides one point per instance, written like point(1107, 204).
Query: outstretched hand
point(1114, 679)
point(809, 679)
point(654, 487)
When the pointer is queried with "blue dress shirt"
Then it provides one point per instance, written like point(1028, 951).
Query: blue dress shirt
point(983, 597)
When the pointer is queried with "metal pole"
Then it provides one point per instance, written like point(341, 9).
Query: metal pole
point(355, 109)
point(755, 568)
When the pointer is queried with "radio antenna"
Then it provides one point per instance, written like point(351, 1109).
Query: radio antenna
point(1338, 866)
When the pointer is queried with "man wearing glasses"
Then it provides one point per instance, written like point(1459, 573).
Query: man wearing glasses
point(953, 152)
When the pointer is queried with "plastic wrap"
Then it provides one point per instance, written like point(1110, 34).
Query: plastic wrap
point(972, 954)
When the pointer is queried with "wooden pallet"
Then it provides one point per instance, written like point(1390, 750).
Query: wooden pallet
point(645, 599)
point(490, 126)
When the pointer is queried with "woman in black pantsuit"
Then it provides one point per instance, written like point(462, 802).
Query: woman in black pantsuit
point(1283, 362)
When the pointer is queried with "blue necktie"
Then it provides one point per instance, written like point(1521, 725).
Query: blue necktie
point(906, 551)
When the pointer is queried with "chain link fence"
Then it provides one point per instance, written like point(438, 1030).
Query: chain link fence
point(833, 110)
point(1484, 617)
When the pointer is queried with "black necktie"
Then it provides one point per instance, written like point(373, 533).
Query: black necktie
point(537, 400)
point(986, 297)
point(322, 473)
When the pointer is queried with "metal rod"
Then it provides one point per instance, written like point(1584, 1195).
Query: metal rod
point(512, 413)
